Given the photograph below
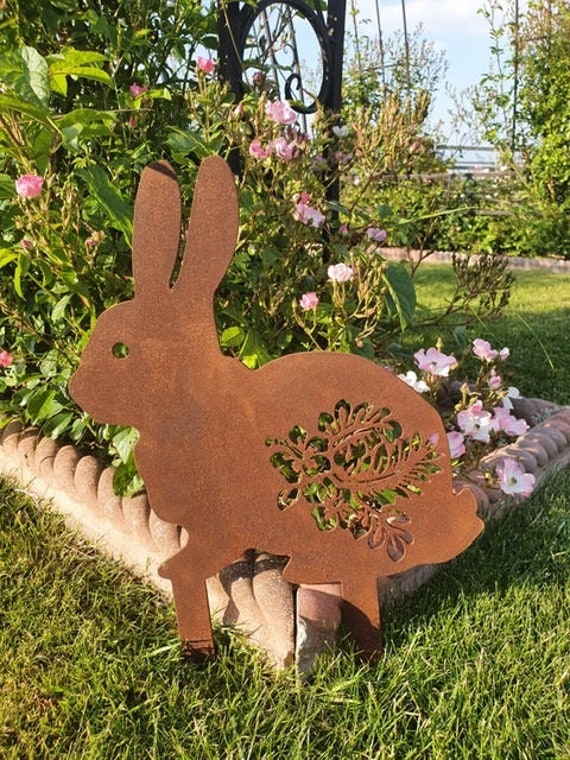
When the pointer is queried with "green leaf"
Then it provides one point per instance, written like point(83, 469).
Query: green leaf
point(70, 137)
point(6, 256)
point(124, 442)
point(85, 123)
point(42, 405)
point(87, 72)
point(162, 94)
point(35, 112)
point(41, 148)
point(80, 426)
point(232, 336)
point(401, 293)
point(36, 72)
point(24, 75)
point(58, 424)
point(384, 211)
point(22, 267)
point(7, 189)
point(69, 56)
point(49, 366)
point(284, 339)
point(77, 64)
point(253, 353)
point(183, 143)
point(59, 84)
point(58, 311)
point(338, 207)
point(86, 117)
point(126, 479)
point(119, 213)
point(366, 350)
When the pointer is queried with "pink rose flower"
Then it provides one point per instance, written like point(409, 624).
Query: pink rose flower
point(456, 442)
point(285, 150)
point(5, 359)
point(257, 150)
point(280, 112)
point(376, 234)
point(29, 185)
point(508, 423)
point(476, 423)
point(206, 65)
point(434, 362)
point(320, 163)
point(137, 90)
point(309, 301)
point(307, 214)
point(411, 379)
point(513, 480)
point(340, 272)
point(495, 381)
point(342, 158)
point(483, 350)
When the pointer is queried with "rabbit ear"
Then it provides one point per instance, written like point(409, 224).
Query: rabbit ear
point(212, 230)
point(156, 228)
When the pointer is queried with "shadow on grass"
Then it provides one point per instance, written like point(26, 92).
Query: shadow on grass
point(527, 548)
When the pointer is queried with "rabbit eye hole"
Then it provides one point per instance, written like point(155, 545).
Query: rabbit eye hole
point(120, 350)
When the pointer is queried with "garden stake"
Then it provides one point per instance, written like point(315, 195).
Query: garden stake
point(325, 458)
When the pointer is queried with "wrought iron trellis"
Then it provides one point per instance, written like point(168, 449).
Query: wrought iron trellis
point(236, 30)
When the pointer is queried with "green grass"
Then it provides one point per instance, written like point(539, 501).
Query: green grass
point(476, 663)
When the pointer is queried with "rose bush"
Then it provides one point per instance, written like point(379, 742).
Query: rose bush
point(480, 419)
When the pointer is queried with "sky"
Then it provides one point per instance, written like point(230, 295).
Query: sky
point(454, 26)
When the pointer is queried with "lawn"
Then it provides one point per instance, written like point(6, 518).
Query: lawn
point(476, 663)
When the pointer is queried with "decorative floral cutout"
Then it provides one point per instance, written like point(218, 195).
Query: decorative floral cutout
point(353, 469)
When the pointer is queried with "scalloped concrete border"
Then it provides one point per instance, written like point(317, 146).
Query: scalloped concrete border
point(251, 593)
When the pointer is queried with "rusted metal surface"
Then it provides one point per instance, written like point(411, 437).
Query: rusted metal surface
point(325, 458)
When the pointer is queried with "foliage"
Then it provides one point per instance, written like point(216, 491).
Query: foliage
point(69, 114)
point(523, 106)
point(437, 209)
point(410, 72)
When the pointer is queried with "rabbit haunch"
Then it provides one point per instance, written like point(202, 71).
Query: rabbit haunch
point(204, 421)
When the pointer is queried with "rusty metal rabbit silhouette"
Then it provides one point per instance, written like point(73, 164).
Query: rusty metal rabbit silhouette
point(325, 458)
